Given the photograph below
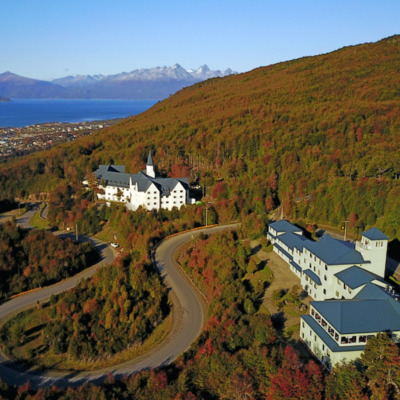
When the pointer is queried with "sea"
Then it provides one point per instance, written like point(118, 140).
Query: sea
point(24, 112)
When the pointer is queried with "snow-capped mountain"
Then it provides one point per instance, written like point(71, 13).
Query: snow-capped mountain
point(176, 72)
point(150, 83)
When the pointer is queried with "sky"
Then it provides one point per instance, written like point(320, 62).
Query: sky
point(49, 39)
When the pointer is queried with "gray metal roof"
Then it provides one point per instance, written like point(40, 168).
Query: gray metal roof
point(360, 316)
point(334, 252)
point(371, 291)
point(326, 338)
point(293, 241)
point(375, 234)
point(114, 175)
point(312, 275)
point(150, 160)
point(284, 226)
point(355, 277)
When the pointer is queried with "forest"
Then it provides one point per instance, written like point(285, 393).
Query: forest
point(31, 259)
point(318, 135)
point(119, 306)
point(240, 354)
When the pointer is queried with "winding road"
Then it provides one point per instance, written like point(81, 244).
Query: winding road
point(188, 312)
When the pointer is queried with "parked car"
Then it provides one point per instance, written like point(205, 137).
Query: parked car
point(115, 245)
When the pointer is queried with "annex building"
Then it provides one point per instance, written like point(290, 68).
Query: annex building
point(143, 189)
point(354, 302)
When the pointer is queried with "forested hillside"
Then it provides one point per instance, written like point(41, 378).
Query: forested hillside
point(319, 135)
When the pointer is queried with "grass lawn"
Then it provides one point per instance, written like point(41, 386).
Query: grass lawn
point(38, 222)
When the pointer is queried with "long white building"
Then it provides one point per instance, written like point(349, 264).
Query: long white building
point(355, 300)
point(143, 189)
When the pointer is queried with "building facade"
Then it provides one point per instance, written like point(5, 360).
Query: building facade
point(355, 301)
point(143, 189)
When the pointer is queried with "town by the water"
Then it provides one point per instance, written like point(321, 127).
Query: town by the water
point(20, 141)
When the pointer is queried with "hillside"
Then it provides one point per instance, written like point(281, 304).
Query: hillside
point(319, 135)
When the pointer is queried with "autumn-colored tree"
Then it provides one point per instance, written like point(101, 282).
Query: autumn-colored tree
point(346, 382)
point(294, 380)
point(381, 359)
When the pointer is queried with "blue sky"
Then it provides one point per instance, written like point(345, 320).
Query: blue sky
point(48, 39)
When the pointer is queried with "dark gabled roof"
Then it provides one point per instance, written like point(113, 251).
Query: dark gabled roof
point(112, 168)
point(293, 241)
point(334, 252)
point(150, 160)
point(355, 277)
point(112, 176)
point(284, 226)
point(326, 338)
point(375, 234)
point(360, 316)
point(313, 276)
point(167, 185)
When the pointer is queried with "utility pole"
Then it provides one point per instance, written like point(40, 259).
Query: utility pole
point(345, 229)
point(76, 231)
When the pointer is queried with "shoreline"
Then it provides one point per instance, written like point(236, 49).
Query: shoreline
point(17, 142)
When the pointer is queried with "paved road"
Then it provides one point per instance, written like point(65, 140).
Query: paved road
point(188, 309)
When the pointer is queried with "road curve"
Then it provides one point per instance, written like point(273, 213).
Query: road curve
point(188, 309)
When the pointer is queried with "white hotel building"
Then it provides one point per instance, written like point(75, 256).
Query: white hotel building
point(143, 189)
point(355, 302)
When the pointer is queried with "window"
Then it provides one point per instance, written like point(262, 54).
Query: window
point(362, 339)
point(326, 267)
point(325, 278)
point(336, 336)
point(324, 291)
point(323, 322)
point(337, 293)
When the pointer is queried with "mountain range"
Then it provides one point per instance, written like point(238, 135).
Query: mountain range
point(151, 83)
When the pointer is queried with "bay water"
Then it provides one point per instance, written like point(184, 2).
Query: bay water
point(24, 112)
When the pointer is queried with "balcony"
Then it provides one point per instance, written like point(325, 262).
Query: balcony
point(363, 246)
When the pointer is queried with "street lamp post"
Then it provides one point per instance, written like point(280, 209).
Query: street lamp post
point(345, 229)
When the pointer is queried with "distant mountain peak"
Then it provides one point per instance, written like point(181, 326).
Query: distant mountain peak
point(145, 83)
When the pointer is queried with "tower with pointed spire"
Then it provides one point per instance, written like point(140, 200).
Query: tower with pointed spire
point(150, 166)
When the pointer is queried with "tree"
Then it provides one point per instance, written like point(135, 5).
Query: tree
point(346, 382)
point(381, 360)
point(295, 381)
